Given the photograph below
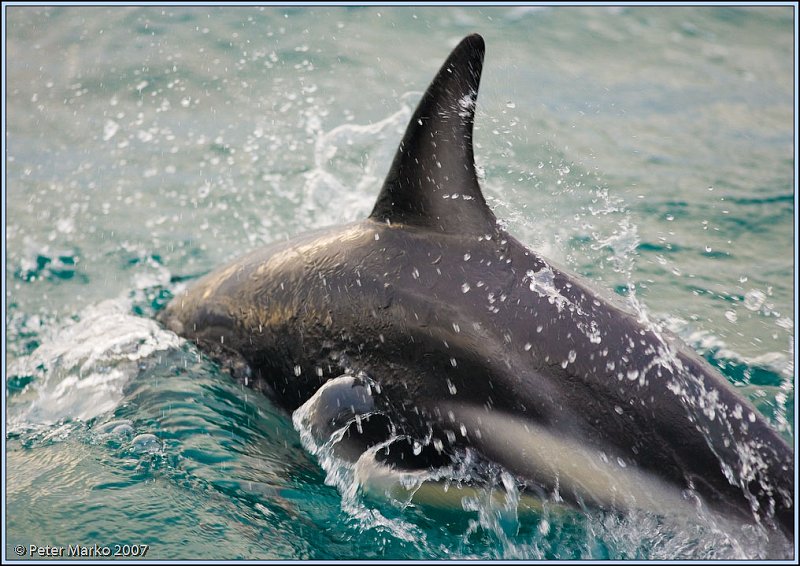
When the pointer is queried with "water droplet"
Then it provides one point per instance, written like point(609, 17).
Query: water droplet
point(467, 256)
point(572, 356)
point(633, 374)
point(731, 316)
point(453, 362)
point(451, 387)
point(298, 370)
point(618, 409)
point(528, 346)
point(456, 327)
point(110, 129)
point(465, 288)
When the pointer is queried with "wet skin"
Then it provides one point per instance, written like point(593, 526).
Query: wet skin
point(467, 339)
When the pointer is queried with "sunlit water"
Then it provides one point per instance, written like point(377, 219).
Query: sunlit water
point(647, 149)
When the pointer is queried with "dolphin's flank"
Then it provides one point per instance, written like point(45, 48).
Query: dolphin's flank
point(475, 342)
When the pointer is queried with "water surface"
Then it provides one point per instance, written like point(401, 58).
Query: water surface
point(648, 149)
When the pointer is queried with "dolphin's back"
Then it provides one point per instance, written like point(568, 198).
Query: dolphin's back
point(485, 327)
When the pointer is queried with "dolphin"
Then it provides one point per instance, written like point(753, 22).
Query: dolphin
point(435, 331)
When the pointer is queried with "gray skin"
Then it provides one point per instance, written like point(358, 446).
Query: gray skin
point(469, 340)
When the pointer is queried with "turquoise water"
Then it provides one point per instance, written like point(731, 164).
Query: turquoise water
point(646, 148)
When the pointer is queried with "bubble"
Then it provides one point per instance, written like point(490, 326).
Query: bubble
point(117, 428)
point(145, 443)
point(754, 299)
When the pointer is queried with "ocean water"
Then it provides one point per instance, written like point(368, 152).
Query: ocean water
point(648, 149)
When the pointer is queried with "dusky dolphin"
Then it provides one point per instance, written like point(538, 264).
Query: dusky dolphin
point(452, 335)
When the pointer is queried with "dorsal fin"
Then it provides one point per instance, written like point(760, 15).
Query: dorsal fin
point(432, 181)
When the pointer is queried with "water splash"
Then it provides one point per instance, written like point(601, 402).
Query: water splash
point(349, 163)
point(80, 370)
point(349, 477)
